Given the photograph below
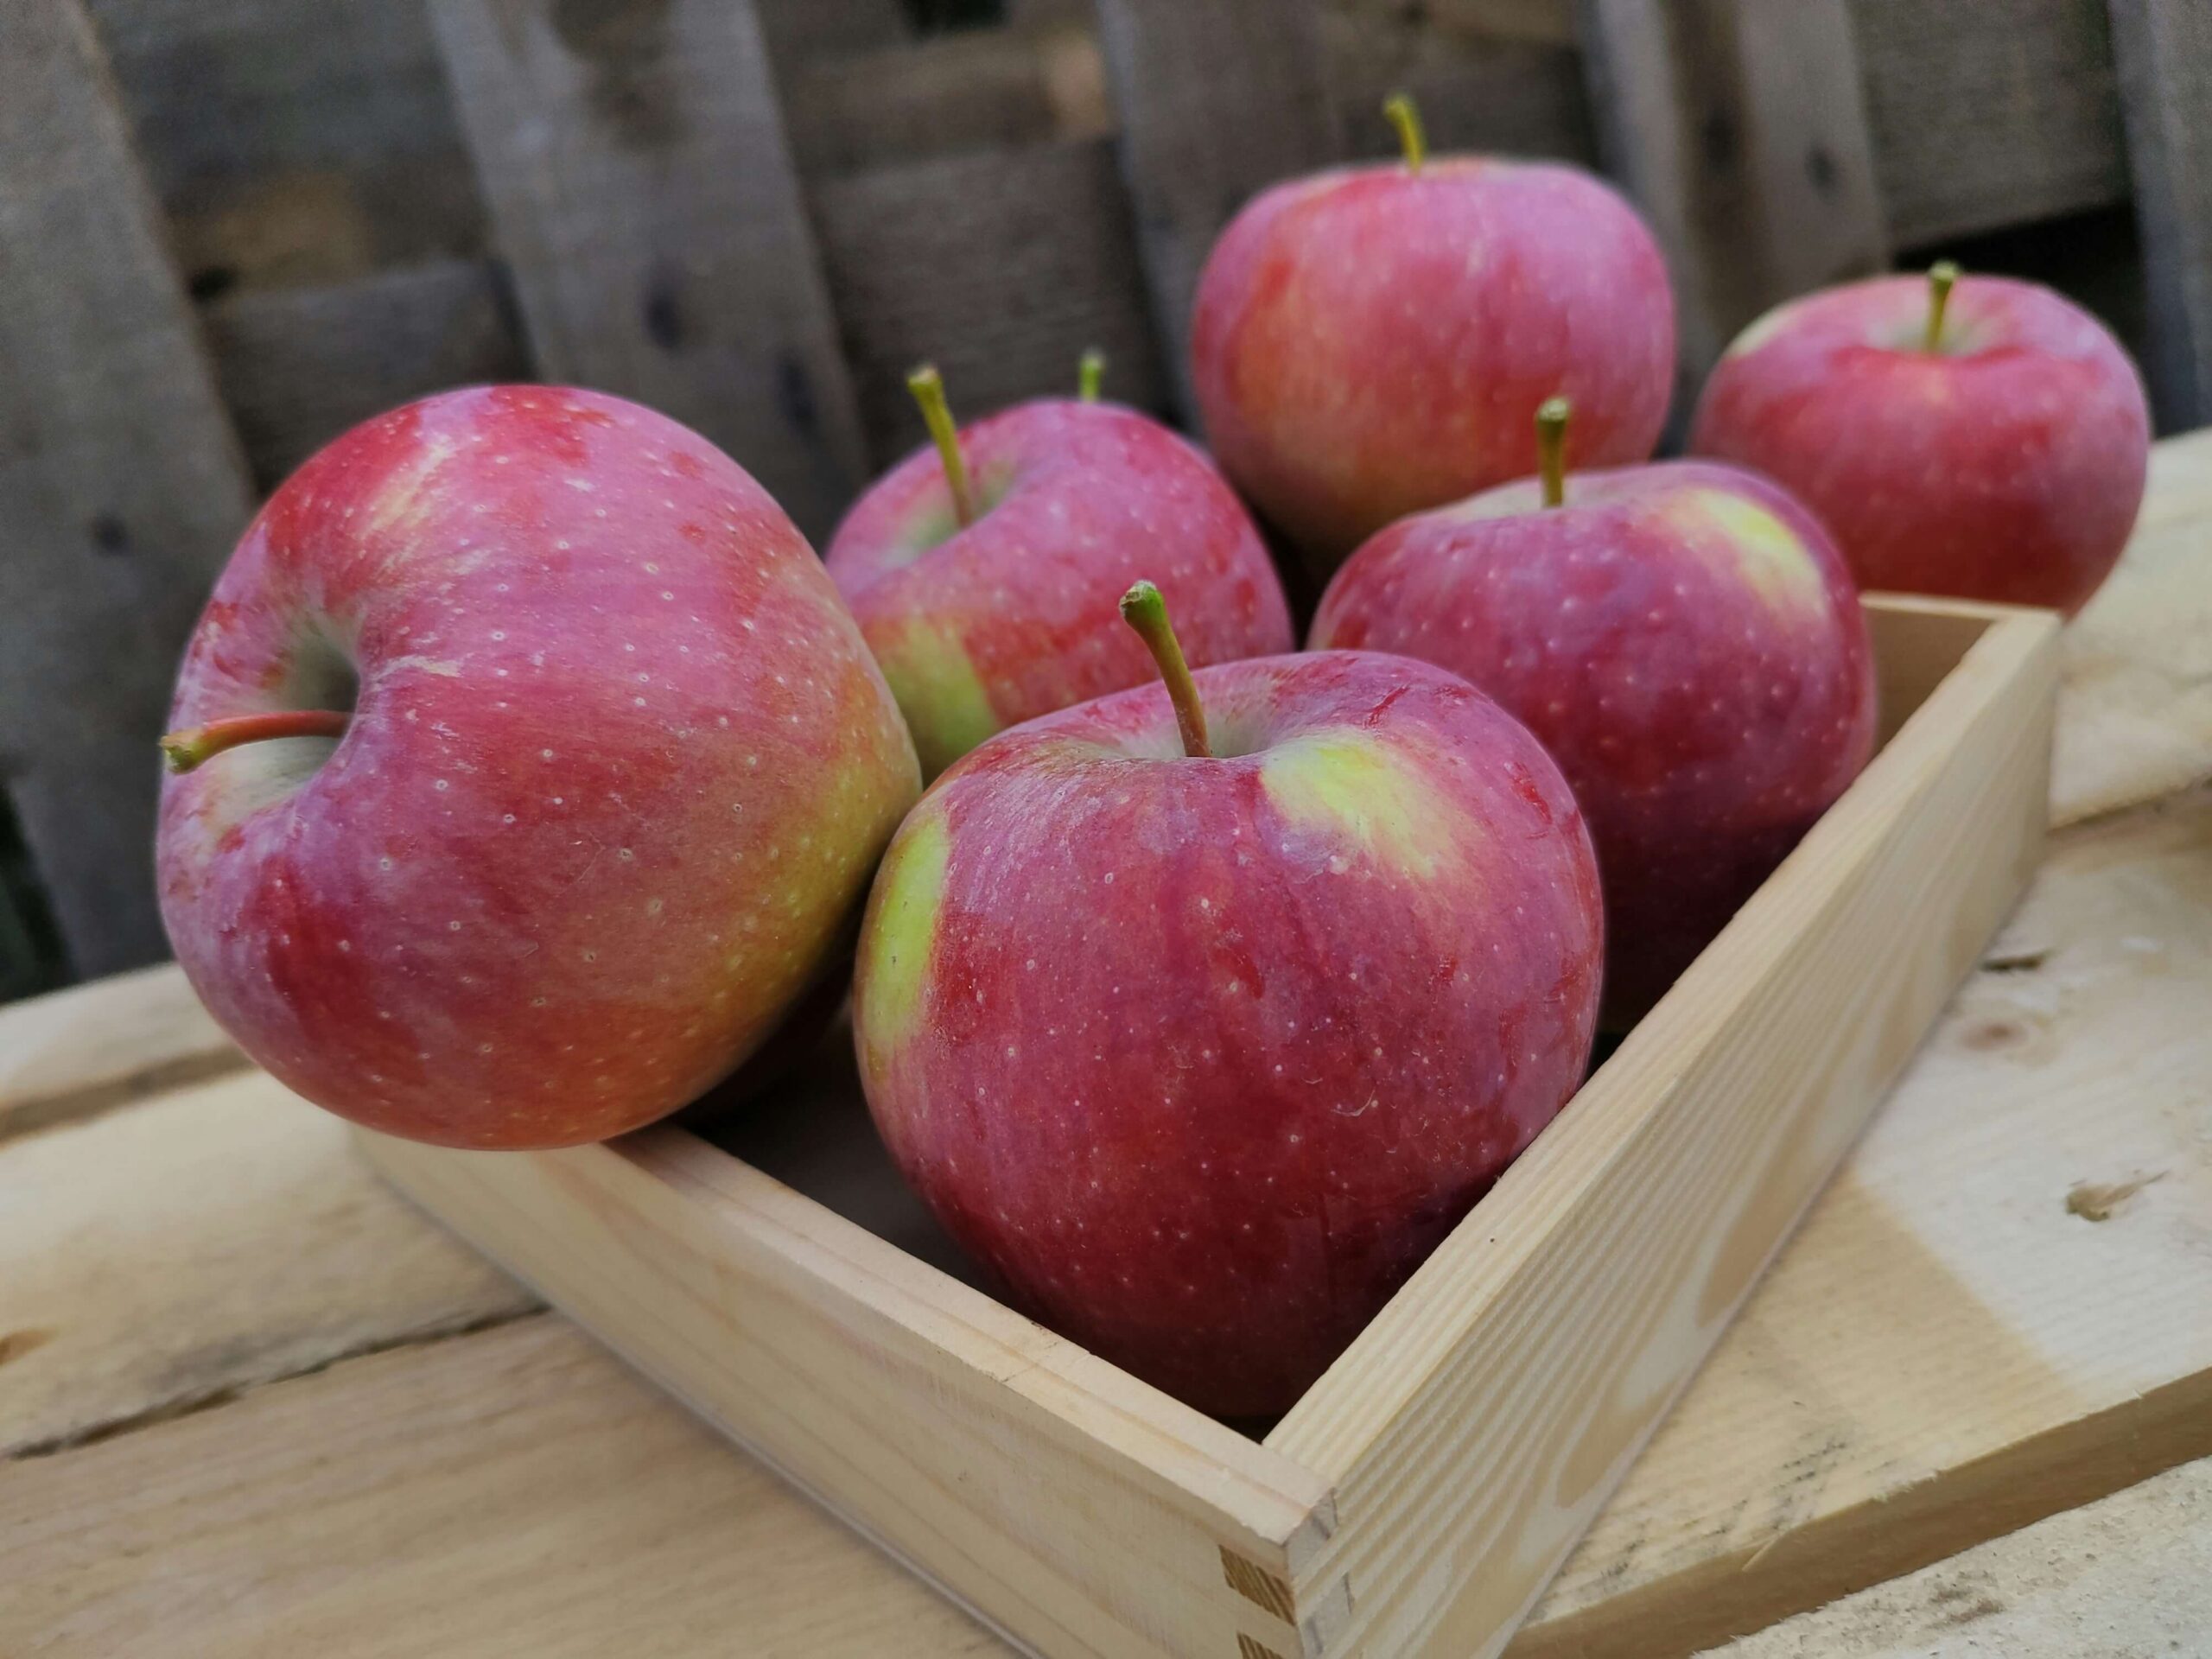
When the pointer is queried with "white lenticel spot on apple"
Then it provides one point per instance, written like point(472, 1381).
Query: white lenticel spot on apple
point(439, 785)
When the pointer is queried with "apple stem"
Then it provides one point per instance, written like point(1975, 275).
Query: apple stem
point(1090, 375)
point(1941, 275)
point(928, 387)
point(1405, 116)
point(186, 749)
point(1551, 447)
point(1143, 609)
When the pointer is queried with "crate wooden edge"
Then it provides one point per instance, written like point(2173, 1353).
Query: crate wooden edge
point(1308, 1544)
point(810, 1341)
point(1567, 1331)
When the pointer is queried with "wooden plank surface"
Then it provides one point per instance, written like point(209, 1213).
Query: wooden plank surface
point(2165, 54)
point(642, 191)
point(1739, 128)
point(94, 1047)
point(1949, 1348)
point(221, 1236)
point(1218, 99)
point(219, 1526)
point(2138, 715)
point(2128, 1577)
point(516, 1491)
point(121, 487)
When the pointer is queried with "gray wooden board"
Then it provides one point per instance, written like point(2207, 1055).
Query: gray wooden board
point(633, 156)
point(121, 487)
point(2164, 51)
point(1218, 99)
point(1740, 129)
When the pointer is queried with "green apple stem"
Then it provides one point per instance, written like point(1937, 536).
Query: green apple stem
point(1551, 447)
point(1405, 115)
point(1941, 275)
point(1143, 609)
point(928, 387)
point(186, 749)
point(1090, 375)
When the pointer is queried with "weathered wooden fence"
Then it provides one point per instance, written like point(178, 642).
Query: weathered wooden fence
point(229, 228)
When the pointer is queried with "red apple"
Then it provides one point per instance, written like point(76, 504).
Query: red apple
point(614, 767)
point(1374, 340)
point(1992, 447)
point(1200, 1047)
point(984, 573)
point(1683, 639)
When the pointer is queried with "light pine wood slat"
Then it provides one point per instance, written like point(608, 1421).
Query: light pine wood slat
point(84, 1050)
point(2129, 1577)
point(218, 1237)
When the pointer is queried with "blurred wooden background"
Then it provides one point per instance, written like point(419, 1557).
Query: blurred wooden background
point(230, 228)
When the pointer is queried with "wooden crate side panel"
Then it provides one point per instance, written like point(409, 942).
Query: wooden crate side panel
point(642, 192)
point(1740, 129)
point(1983, 116)
point(1001, 268)
point(1077, 1509)
point(2165, 60)
point(1217, 101)
point(121, 486)
point(299, 366)
point(1603, 1266)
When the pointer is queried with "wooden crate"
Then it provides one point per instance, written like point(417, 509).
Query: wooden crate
point(1422, 1493)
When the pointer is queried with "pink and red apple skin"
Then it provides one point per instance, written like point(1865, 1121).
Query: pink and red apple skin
point(1685, 642)
point(620, 770)
point(1372, 341)
point(2007, 466)
point(1014, 617)
point(1200, 1057)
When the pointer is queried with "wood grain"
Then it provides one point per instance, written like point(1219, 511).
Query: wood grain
point(299, 366)
point(1948, 1349)
point(642, 191)
point(1218, 99)
point(1985, 116)
point(1740, 129)
point(94, 1047)
point(2137, 720)
point(2165, 55)
point(1517, 94)
point(121, 486)
point(1537, 1318)
point(1032, 257)
point(1083, 1510)
point(2128, 1577)
point(173, 1254)
point(516, 1491)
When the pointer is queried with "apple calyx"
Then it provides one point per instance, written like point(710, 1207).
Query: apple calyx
point(1145, 610)
point(1941, 276)
point(1551, 447)
point(1405, 116)
point(189, 749)
point(928, 387)
point(1090, 375)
